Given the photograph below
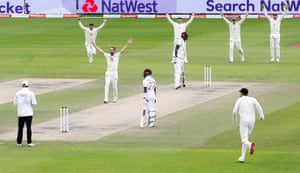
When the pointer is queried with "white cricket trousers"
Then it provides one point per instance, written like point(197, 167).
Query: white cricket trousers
point(150, 109)
point(111, 77)
point(275, 46)
point(238, 44)
point(178, 69)
point(246, 129)
point(91, 51)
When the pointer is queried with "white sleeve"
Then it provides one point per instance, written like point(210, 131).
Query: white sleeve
point(226, 20)
point(283, 15)
point(259, 109)
point(16, 100)
point(266, 14)
point(81, 25)
point(235, 110)
point(242, 19)
point(189, 21)
point(100, 27)
point(170, 20)
point(33, 101)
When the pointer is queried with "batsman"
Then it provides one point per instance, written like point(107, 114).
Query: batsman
point(149, 85)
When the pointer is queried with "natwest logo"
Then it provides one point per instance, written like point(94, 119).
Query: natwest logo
point(89, 6)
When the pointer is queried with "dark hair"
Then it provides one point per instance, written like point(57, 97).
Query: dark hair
point(244, 91)
point(112, 47)
point(91, 24)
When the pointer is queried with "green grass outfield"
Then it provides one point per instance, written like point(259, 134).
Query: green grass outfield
point(197, 139)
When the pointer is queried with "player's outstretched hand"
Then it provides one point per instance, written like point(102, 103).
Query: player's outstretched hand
point(104, 20)
point(262, 7)
point(247, 14)
point(130, 41)
point(193, 14)
point(78, 18)
point(286, 6)
point(222, 14)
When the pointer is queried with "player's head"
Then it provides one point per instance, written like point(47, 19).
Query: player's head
point(243, 91)
point(91, 26)
point(179, 20)
point(275, 16)
point(233, 20)
point(147, 72)
point(112, 50)
point(184, 35)
point(25, 84)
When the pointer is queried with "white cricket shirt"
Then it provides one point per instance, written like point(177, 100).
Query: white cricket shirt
point(179, 28)
point(275, 24)
point(235, 29)
point(246, 107)
point(24, 100)
point(112, 61)
point(90, 35)
point(149, 83)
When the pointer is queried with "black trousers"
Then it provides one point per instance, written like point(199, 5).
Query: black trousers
point(21, 121)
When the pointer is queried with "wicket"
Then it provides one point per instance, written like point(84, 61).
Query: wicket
point(207, 76)
point(64, 119)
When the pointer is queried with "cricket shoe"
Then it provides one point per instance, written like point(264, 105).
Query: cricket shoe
point(183, 85)
point(105, 102)
point(19, 145)
point(31, 145)
point(241, 159)
point(251, 151)
point(277, 60)
point(272, 59)
point(178, 87)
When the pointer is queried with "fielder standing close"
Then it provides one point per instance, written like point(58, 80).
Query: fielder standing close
point(179, 56)
point(275, 23)
point(24, 100)
point(111, 74)
point(235, 36)
point(246, 108)
point(149, 86)
point(90, 37)
point(179, 27)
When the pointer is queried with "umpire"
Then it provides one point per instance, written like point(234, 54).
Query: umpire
point(24, 100)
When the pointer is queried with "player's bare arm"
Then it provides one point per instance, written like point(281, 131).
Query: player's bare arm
point(98, 48)
point(129, 42)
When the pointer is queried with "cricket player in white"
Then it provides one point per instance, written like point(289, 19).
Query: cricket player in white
point(149, 85)
point(179, 27)
point(235, 36)
point(111, 74)
point(179, 56)
point(246, 107)
point(90, 37)
point(24, 100)
point(275, 23)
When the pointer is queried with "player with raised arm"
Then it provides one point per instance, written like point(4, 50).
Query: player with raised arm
point(149, 86)
point(235, 36)
point(90, 34)
point(246, 107)
point(111, 74)
point(275, 23)
point(179, 27)
point(179, 56)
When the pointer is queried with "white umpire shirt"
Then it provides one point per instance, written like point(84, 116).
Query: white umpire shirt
point(112, 61)
point(24, 100)
point(181, 52)
point(179, 28)
point(90, 35)
point(150, 84)
point(235, 29)
point(246, 106)
point(275, 24)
